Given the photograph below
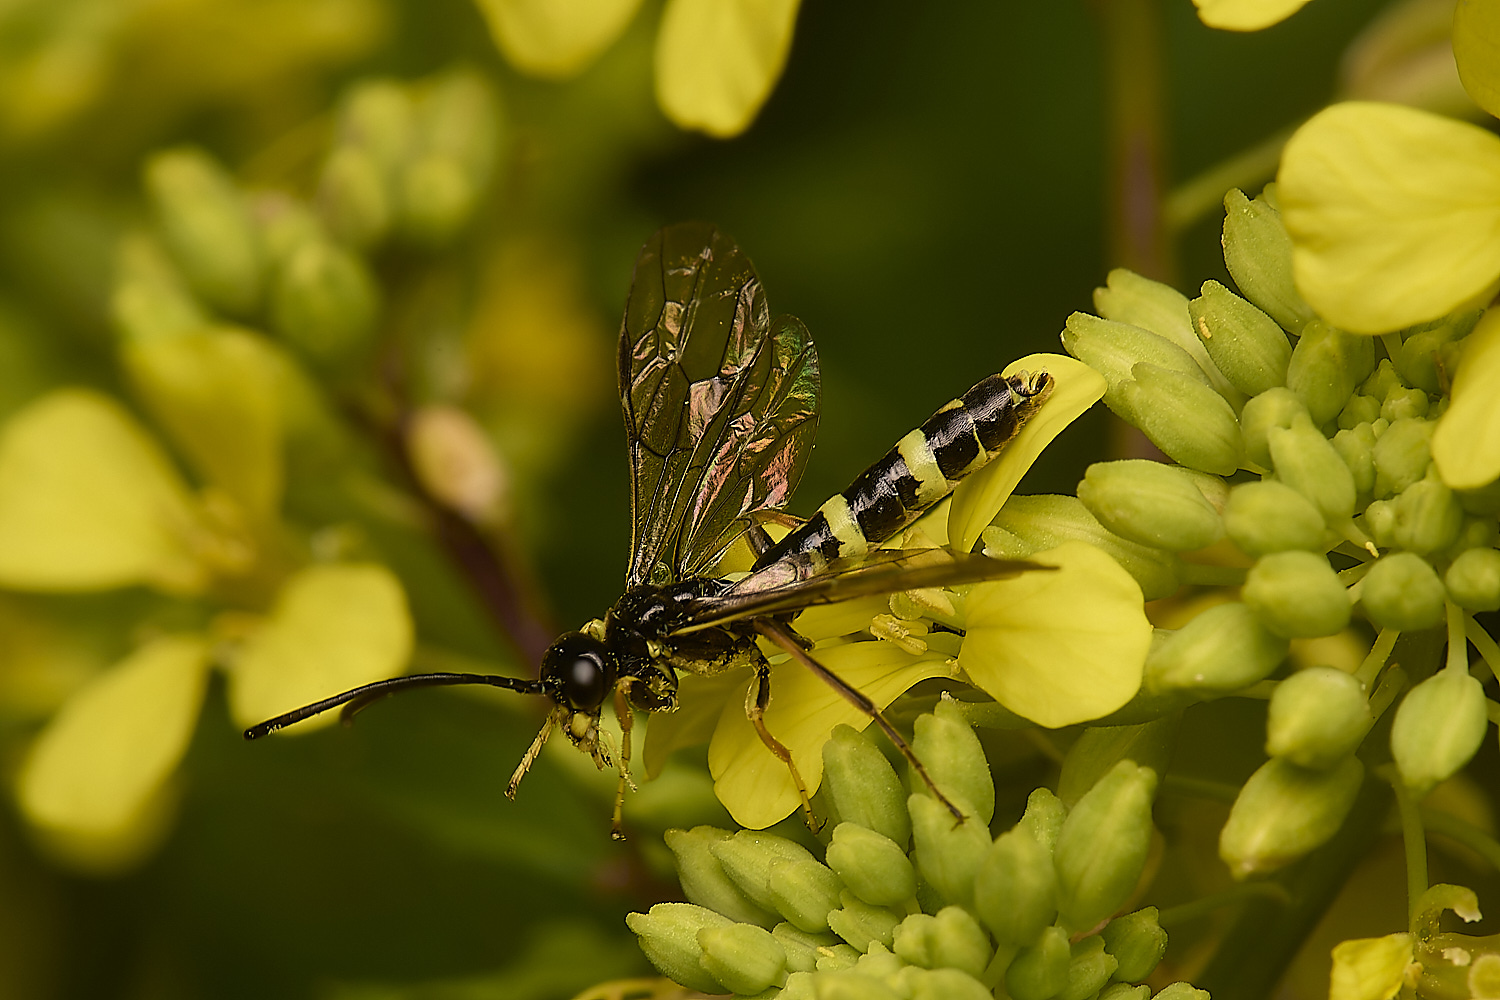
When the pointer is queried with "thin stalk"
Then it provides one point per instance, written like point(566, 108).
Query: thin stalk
point(1199, 788)
point(1379, 653)
point(1413, 837)
point(1455, 829)
point(1483, 642)
point(1204, 194)
point(1200, 908)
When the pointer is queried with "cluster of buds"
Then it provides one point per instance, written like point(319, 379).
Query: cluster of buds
point(910, 905)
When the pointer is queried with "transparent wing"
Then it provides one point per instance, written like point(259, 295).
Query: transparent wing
point(720, 401)
point(806, 579)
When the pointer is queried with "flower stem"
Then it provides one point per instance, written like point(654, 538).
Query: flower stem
point(1202, 907)
point(1412, 836)
point(1455, 829)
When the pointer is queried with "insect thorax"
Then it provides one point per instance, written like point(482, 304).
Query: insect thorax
point(640, 629)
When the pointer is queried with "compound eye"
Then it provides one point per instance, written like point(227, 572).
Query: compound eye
point(580, 670)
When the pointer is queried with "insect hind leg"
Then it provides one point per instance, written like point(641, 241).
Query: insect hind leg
point(756, 700)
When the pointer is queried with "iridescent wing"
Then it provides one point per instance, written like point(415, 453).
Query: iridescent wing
point(720, 401)
point(806, 579)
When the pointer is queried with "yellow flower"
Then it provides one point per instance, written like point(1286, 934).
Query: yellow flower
point(1245, 15)
point(1466, 444)
point(1370, 968)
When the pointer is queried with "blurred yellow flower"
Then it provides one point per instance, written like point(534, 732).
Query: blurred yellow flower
point(1466, 444)
point(1245, 15)
point(1476, 49)
point(1369, 968)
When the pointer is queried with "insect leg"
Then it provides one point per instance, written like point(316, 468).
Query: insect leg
point(627, 720)
point(756, 701)
point(532, 752)
point(787, 640)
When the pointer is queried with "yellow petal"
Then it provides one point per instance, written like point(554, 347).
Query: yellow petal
point(1059, 647)
point(1476, 49)
point(89, 502)
point(1394, 214)
point(333, 628)
point(1369, 968)
point(554, 39)
point(979, 498)
point(700, 702)
point(1466, 444)
point(1245, 15)
point(754, 786)
point(95, 773)
point(717, 60)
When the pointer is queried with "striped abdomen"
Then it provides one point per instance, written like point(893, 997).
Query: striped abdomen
point(923, 468)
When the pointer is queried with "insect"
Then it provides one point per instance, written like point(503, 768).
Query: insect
point(720, 403)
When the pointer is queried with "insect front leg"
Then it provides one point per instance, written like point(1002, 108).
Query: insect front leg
point(756, 700)
point(627, 720)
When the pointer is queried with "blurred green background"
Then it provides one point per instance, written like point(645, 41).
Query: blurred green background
point(927, 188)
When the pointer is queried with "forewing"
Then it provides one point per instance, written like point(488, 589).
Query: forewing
point(720, 402)
point(804, 580)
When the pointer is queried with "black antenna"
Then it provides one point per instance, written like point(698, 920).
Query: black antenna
point(360, 697)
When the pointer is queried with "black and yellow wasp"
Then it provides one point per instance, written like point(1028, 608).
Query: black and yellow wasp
point(721, 403)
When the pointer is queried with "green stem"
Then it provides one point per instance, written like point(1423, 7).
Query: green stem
point(1199, 788)
point(1204, 575)
point(1391, 685)
point(1199, 908)
point(1485, 643)
point(1375, 659)
point(1470, 836)
point(1412, 836)
point(1458, 646)
point(1204, 194)
point(1354, 574)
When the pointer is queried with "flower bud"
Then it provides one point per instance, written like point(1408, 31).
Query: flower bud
point(1360, 409)
point(800, 946)
point(880, 964)
point(745, 958)
point(1428, 516)
point(1404, 404)
point(951, 939)
point(1015, 889)
point(1380, 523)
point(746, 860)
point(1284, 811)
point(846, 984)
point(1403, 592)
point(837, 958)
point(1273, 408)
point(1181, 991)
point(1306, 461)
point(946, 745)
point(1483, 501)
point(460, 117)
point(1476, 533)
point(871, 864)
point(1030, 524)
point(1317, 717)
point(1438, 728)
point(1124, 991)
point(1040, 970)
point(377, 116)
point(1221, 649)
point(864, 786)
point(1297, 595)
point(1382, 381)
point(1113, 349)
point(354, 198)
point(1356, 446)
point(1473, 581)
point(859, 923)
point(947, 853)
point(703, 879)
point(206, 226)
point(1089, 968)
point(324, 303)
point(803, 891)
point(946, 984)
point(1370, 968)
point(1244, 343)
point(1402, 455)
point(1417, 361)
point(1044, 817)
point(1187, 420)
point(669, 937)
point(437, 199)
point(1325, 367)
point(1150, 503)
point(1102, 848)
point(1258, 253)
point(1138, 301)
point(1268, 516)
point(1137, 942)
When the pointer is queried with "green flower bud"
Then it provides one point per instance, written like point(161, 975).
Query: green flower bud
point(1244, 343)
point(1326, 365)
point(746, 859)
point(863, 785)
point(801, 947)
point(1124, 991)
point(1273, 408)
point(1284, 811)
point(947, 853)
point(1483, 979)
point(880, 964)
point(1044, 817)
point(1137, 942)
point(1258, 253)
point(946, 745)
point(354, 198)
point(1268, 516)
point(871, 864)
point(803, 891)
point(946, 984)
point(745, 958)
point(1380, 523)
point(1417, 360)
point(1040, 970)
point(460, 117)
point(1150, 503)
point(284, 224)
point(1360, 409)
point(1297, 595)
point(207, 228)
point(1100, 747)
point(1102, 848)
point(1015, 890)
point(1438, 728)
point(951, 939)
point(1482, 501)
point(703, 879)
point(1150, 305)
point(1356, 446)
point(846, 984)
point(1089, 968)
point(1428, 516)
point(669, 938)
point(1403, 592)
point(1221, 649)
point(1306, 461)
point(1473, 581)
point(1382, 381)
point(1029, 524)
point(437, 199)
point(1476, 533)
point(377, 116)
point(1402, 455)
point(1187, 420)
point(1181, 991)
point(324, 303)
point(1317, 717)
point(859, 923)
point(1404, 404)
point(1113, 349)
point(836, 958)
